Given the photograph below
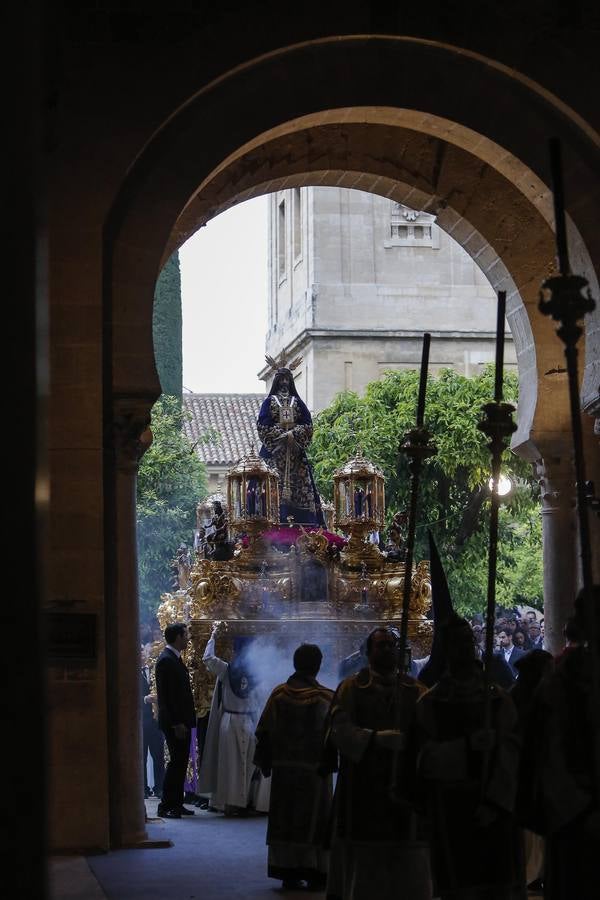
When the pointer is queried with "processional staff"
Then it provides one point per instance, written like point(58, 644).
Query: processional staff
point(498, 426)
point(562, 298)
point(417, 446)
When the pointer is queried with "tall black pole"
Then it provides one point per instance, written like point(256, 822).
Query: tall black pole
point(417, 446)
point(558, 194)
point(563, 298)
point(498, 426)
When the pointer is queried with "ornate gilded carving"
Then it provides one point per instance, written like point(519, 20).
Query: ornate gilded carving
point(312, 544)
point(203, 682)
point(420, 589)
point(173, 608)
point(214, 593)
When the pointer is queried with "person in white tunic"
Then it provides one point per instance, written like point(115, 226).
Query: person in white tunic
point(227, 768)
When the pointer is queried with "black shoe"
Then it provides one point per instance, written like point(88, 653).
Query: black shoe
point(162, 810)
point(186, 812)
point(147, 793)
point(171, 814)
point(291, 884)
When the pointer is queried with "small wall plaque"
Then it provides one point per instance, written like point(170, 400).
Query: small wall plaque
point(71, 637)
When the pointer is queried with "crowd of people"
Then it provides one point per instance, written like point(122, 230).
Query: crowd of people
point(515, 635)
point(454, 791)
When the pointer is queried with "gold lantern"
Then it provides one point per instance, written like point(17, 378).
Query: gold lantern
point(253, 499)
point(359, 500)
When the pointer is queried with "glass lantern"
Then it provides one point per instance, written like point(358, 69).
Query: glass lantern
point(359, 501)
point(252, 497)
point(359, 495)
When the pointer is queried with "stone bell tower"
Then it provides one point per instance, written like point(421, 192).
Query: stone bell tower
point(355, 280)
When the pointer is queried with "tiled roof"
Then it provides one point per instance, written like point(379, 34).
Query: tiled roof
point(232, 416)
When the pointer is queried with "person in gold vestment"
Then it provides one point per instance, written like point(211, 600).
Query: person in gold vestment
point(289, 739)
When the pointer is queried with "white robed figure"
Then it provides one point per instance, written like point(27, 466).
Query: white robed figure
point(228, 773)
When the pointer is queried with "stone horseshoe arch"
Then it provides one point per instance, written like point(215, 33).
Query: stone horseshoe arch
point(436, 138)
point(347, 111)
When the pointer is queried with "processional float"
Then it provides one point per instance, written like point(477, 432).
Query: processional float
point(286, 583)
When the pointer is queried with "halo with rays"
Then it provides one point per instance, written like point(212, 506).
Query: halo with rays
point(279, 362)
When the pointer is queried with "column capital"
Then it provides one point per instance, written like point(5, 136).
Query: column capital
point(131, 429)
point(556, 477)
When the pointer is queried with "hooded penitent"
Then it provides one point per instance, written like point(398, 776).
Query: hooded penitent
point(443, 610)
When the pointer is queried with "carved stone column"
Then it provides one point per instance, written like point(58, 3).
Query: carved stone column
point(131, 437)
point(559, 545)
point(591, 449)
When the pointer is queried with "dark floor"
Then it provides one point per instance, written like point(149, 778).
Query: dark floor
point(212, 858)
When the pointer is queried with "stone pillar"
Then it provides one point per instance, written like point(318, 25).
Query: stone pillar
point(131, 438)
point(559, 545)
point(591, 449)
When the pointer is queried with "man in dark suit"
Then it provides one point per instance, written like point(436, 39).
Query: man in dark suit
point(535, 636)
point(176, 718)
point(508, 650)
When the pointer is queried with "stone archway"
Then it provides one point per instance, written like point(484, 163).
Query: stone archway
point(441, 146)
point(502, 230)
point(449, 103)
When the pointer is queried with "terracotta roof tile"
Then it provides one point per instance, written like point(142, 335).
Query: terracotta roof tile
point(233, 416)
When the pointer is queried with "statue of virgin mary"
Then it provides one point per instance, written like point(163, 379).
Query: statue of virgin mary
point(285, 428)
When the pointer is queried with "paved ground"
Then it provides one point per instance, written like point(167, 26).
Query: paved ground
point(212, 858)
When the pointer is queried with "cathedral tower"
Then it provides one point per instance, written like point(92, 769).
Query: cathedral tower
point(355, 280)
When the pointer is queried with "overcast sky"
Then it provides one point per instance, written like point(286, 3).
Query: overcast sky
point(224, 297)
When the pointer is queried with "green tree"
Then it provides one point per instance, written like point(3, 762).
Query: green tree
point(454, 497)
point(167, 328)
point(171, 481)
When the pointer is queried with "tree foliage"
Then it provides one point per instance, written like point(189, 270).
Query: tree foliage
point(171, 481)
point(454, 497)
point(167, 326)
